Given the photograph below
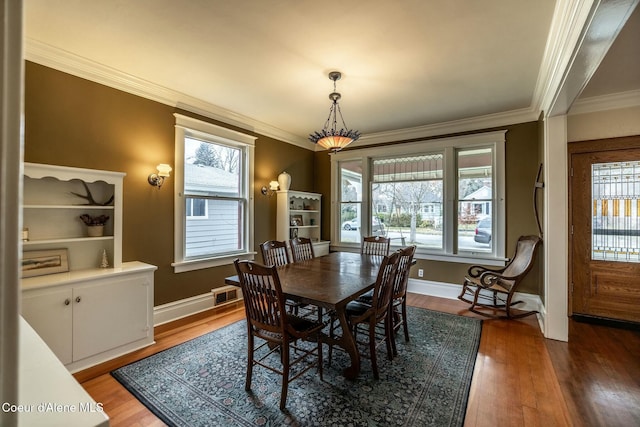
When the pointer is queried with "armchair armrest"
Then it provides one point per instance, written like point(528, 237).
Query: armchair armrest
point(490, 278)
point(478, 270)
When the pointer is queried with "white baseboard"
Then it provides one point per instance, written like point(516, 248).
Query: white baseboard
point(451, 291)
point(185, 307)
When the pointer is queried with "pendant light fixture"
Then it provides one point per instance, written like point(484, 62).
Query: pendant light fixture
point(330, 137)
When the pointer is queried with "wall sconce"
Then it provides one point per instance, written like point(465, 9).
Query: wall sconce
point(157, 179)
point(273, 187)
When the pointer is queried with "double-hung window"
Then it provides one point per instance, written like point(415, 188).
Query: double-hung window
point(213, 207)
point(446, 196)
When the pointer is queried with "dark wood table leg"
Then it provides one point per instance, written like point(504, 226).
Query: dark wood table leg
point(348, 342)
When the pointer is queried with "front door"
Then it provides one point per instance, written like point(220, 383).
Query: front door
point(604, 215)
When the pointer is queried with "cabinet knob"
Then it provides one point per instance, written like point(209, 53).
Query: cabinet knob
point(67, 301)
point(78, 299)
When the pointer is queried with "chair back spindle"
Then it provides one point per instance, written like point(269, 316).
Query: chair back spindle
point(402, 274)
point(301, 249)
point(262, 294)
point(384, 285)
point(275, 253)
point(375, 245)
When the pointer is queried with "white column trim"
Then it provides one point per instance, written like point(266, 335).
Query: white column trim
point(555, 245)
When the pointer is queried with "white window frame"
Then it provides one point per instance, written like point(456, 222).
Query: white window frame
point(448, 146)
point(190, 127)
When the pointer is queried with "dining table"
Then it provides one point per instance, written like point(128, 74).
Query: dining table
point(330, 282)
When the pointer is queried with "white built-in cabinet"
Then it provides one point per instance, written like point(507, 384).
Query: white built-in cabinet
point(51, 212)
point(299, 215)
point(89, 314)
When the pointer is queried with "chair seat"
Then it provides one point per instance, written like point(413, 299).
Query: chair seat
point(366, 298)
point(302, 324)
point(496, 286)
point(356, 308)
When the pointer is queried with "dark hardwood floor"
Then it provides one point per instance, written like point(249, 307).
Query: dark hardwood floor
point(520, 378)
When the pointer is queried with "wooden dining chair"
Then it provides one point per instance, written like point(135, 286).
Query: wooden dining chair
point(398, 305)
point(274, 252)
point(268, 320)
point(375, 245)
point(494, 288)
point(301, 249)
point(371, 317)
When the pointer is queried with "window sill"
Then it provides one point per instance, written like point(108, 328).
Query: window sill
point(199, 264)
point(465, 258)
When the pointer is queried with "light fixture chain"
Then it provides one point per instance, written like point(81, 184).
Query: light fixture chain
point(341, 118)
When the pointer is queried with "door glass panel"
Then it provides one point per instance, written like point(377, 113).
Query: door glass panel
point(615, 226)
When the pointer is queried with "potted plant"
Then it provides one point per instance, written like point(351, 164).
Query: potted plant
point(95, 224)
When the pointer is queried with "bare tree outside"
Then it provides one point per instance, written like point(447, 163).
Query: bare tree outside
point(408, 197)
point(219, 157)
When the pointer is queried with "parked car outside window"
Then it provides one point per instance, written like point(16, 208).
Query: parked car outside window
point(376, 225)
point(483, 231)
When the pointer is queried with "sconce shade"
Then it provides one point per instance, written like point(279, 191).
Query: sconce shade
point(157, 179)
point(269, 191)
point(164, 169)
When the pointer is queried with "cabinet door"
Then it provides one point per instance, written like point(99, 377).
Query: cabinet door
point(50, 314)
point(110, 314)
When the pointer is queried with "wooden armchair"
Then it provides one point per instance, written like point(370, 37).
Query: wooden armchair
point(494, 288)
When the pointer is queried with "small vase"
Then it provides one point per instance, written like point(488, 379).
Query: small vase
point(95, 230)
point(284, 180)
point(104, 263)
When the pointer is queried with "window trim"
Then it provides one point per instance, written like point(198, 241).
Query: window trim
point(187, 126)
point(449, 147)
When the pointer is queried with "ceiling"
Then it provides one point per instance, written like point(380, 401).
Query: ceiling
point(405, 64)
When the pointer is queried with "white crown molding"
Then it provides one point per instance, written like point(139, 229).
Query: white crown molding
point(64, 61)
point(464, 125)
point(612, 101)
point(58, 59)
point(569, 18)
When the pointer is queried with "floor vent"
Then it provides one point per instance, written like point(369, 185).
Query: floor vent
point(225, 295)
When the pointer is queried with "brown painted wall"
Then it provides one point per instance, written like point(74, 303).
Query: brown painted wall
point(74, 122)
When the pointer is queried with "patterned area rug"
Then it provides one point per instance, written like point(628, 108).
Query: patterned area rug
point(201, 382)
